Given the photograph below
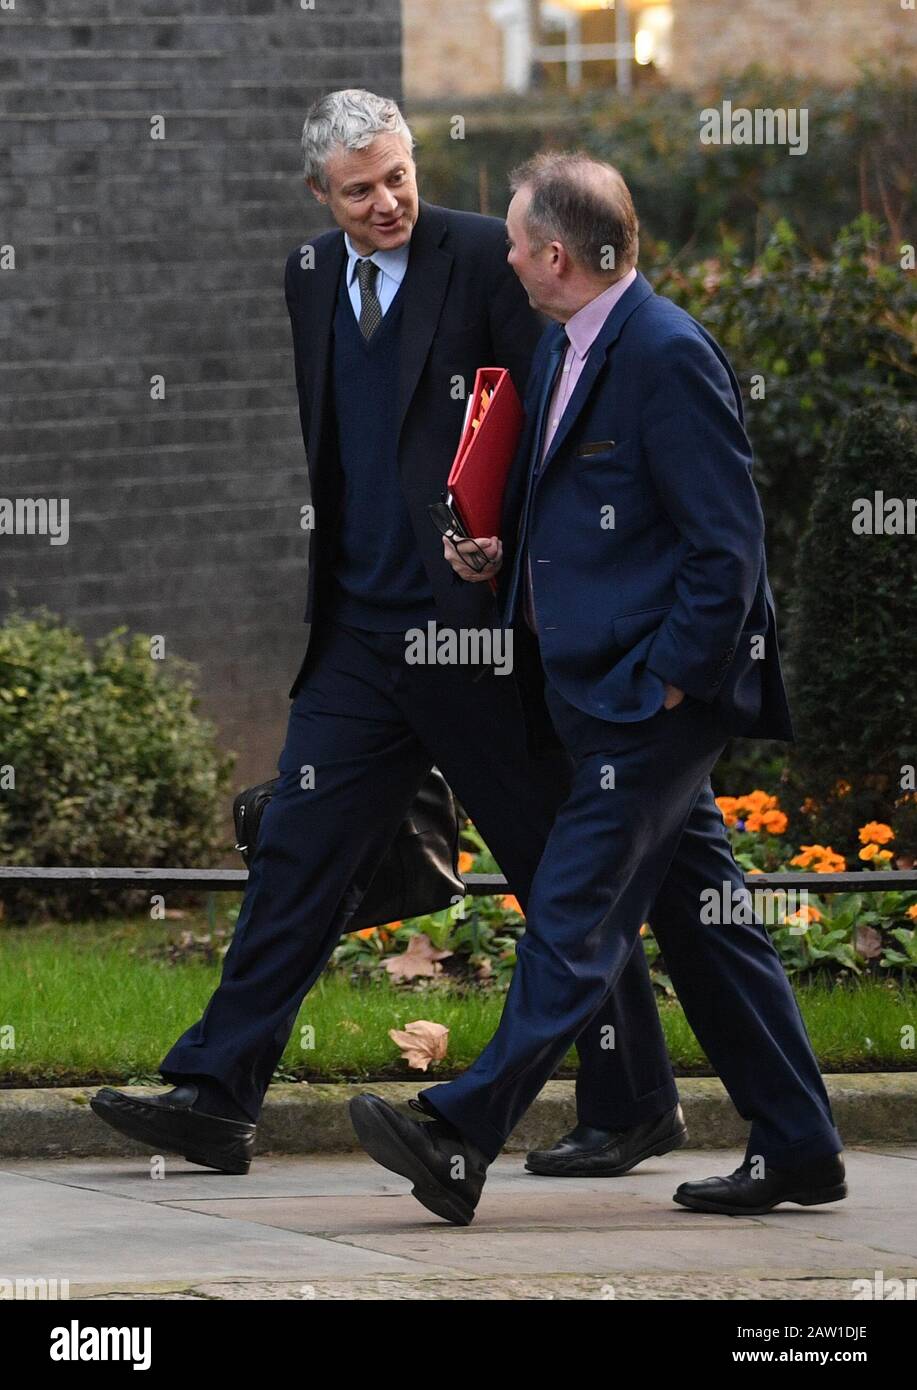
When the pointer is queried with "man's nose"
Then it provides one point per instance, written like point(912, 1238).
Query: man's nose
point(387, 201)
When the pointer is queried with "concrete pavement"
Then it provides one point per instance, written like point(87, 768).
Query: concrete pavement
point(336, 1226)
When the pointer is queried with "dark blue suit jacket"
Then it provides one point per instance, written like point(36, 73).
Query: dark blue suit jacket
point(676, 589)
point(464, 308)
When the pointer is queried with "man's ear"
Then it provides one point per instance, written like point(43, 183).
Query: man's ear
point(316, 191)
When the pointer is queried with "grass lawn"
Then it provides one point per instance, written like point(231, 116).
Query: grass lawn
point(88, 1005)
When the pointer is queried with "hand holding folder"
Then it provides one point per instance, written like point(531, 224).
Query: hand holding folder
point(477, 478)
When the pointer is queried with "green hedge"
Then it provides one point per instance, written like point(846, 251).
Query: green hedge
point(852, 641)
point(688, 195)
point(810, 339)
point(110, 761)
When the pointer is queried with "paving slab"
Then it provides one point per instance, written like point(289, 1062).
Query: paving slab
point(340, 1227)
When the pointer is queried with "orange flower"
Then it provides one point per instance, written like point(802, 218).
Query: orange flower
point(877, 831)
point(728, 807)
point(822, 858)
point(806, 854)
point(772, 821)
point(804, 914)
point(912, 911)
point(843, 788)
point(757, 801)
point(644, 929)
point(365, 933)
point(508, 901)
point(466, 860)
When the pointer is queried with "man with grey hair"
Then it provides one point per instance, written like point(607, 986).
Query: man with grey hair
point(391, 314)
point(633, 546)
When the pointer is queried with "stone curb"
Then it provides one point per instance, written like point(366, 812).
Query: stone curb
point(869, 1108)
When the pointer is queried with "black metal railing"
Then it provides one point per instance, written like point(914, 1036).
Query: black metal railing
point(478, 885)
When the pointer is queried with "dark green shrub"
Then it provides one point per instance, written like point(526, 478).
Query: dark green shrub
point(860, 157)
point(852, 642)
point(824, 336)
point(112, 765)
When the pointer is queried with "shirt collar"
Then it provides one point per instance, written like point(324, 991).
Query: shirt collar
point(391, 263)
point(586, 324)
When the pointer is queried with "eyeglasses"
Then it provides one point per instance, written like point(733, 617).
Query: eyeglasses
point(448, 525)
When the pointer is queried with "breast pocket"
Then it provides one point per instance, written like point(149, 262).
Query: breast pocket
point(598, 451)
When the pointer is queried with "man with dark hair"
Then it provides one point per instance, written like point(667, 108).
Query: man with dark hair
point(633, 545)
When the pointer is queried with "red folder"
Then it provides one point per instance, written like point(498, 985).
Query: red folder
point(490, 436)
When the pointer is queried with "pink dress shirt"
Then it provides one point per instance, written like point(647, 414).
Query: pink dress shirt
point(582, 330)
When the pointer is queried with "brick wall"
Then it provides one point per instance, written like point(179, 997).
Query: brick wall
point(451, 48)
point(137, 257)
point(454, 48)
point(823, 38)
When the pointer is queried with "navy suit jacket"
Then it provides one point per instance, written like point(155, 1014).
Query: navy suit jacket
point(672, 584)
point(463, 308)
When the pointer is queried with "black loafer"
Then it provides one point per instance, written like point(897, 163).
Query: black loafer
point(169, 1122)
point(602, 1153)
point(741, 1194)
point(447, 1172)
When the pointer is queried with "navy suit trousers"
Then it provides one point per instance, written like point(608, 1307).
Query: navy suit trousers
point(370, 726)
point(639, 839)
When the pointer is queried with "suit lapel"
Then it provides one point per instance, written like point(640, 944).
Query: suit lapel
point(423, 292)
point(608, 334)
point(325, 302)
point(519, 471)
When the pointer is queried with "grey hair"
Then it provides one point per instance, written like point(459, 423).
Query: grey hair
point(353, 118)
point(582, 202)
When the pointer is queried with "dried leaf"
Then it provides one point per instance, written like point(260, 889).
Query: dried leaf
point(421, 1042)
point(421, 958)
point(867, 942)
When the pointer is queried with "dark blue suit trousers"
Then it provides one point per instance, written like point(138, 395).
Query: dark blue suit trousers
point(370, 726)
point(639, 839)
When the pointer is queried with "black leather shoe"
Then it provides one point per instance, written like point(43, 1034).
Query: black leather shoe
point(740, 1194)
point(425, 1154)
point(171, 1123)
point(602, 1153)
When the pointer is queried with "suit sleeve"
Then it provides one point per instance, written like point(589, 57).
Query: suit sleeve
point(700, 461)
point(515, 327)
point(291, 294)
